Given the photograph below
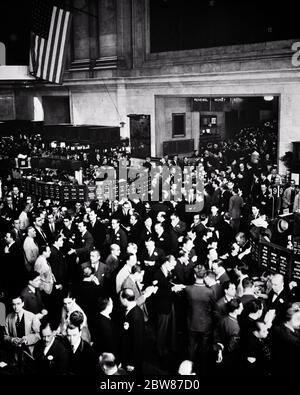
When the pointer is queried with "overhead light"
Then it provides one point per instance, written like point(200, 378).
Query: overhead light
point(268, 98)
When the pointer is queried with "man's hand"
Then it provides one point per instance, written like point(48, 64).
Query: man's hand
point(219, 357)
point(178, 287)
point(72, 251)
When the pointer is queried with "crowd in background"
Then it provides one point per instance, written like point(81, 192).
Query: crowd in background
point(131, 287)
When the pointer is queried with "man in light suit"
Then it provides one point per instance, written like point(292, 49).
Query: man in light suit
point(21, 328)
point(134, 282)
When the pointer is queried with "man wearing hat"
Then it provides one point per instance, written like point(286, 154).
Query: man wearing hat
point(280, 232)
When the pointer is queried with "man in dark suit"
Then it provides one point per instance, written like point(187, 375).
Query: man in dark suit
point(117, 235)
point(99, 268)
point(57, 262)
point(135, 229)
point(97, 230)
point(32, 296)
point(163, 306)
point(201, 301)
point(83, 359)
point(162, 239)
point(84, 243)
point(103, 330)
point(41, 237)
point(133, 333)
point(151, 258)
point(278, 298)
point(50, 354)
point(13, 271)
point(225, 235)
point(50, 228)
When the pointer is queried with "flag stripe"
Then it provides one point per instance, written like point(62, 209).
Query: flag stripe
point(64, 51)
point(45, 74)
point(60, 46)
point(55, 46)
point(63, 47)
point(51, 39)
point(48, 47)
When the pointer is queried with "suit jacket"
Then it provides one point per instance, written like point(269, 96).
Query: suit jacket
point(60, 364)
point(285, 351)
point(132, 338)
point(279, 304)
point(98, 231)
point(58, 265)
point(119, 238)
point(104, 335)
point(85, 246)
point(200, 308)
point(163, 299)
point(32, 300)
point(101, 272)
point(40, 239)
point(235, 206)
point(32, 327)
point(49, 233)
point(84, 361)
point(138, 294)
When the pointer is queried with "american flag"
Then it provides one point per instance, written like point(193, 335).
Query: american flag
point(49, 38)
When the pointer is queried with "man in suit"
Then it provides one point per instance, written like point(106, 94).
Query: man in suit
point(99, 268)
point(278, 298)
point(220, 309)
point(225, 235)
point(134, 282)
point(103, 330)
point(117, 235)
point(162, 238)
point(85, 243)
point(58, 263)
point(163, 306)
point(31, 249)
point(97, 230)
point(135, 229)
point(50, 353)
point(32, 296)
point(83, 359)
point(17, 231)
point(236, 203)
point(221, 274)
point(21, 328)
point(50, 228)
point(133, 333)
point(201, 302)
point(113, 265)
point(151, 258)
point(178, 228)
point(41, 237)
point(14, 270)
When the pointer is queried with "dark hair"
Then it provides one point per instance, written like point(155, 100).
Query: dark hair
point(203, 217)
point(227, 284)
point(43, 248)
point(45, 322)
point(76, 318)
point(247, 282)
point(200, 271)
point(102, 303)
point(252, 306)
point(33, 275)
point(232, 305)
point(136, 269)
point(255, 325)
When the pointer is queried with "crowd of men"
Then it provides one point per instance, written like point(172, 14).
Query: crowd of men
point(129, 287)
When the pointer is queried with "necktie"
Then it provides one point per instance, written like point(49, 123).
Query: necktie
point(18, 321)
point(52, 228)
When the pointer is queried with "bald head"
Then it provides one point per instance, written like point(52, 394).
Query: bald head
point(277, 283)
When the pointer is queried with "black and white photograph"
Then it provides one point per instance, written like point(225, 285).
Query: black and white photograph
point(149, 193)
